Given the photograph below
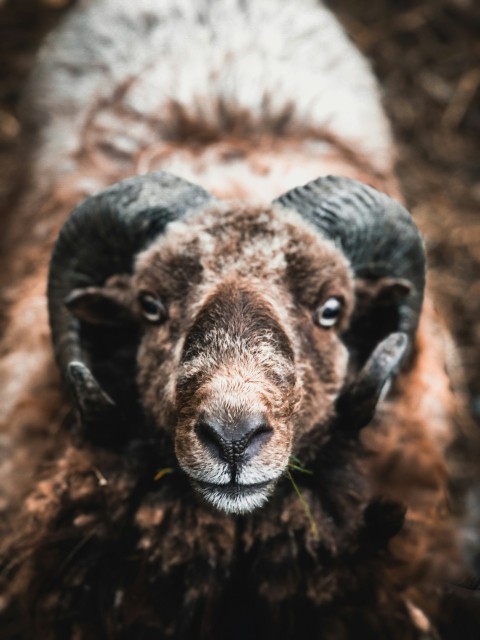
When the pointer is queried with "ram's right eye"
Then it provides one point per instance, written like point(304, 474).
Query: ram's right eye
point(152, 308)
point(328, 314)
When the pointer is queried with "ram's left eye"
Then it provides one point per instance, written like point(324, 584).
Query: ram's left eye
point(328, 314)
point(152, 308)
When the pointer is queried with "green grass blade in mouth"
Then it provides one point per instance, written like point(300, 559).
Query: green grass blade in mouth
point(306, 507)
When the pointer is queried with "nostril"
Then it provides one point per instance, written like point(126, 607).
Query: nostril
point(234, 442)
point(211, 437)
point(255, 438)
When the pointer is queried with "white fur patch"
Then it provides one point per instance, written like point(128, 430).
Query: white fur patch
point(238, 500)
point(256, 57)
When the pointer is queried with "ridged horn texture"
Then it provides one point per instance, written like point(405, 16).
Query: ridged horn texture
point(101, 238)
point(357, 403)
point(376, 234)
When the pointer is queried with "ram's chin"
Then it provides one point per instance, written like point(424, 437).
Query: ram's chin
point(235, 498)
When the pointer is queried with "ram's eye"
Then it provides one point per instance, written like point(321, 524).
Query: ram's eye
point(328, 314)
point(152, 308)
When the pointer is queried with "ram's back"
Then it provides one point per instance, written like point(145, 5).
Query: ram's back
point(125, 87)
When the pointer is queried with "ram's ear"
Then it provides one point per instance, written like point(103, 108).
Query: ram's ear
point(381, 292)
point(381, 307)
point(112, 304)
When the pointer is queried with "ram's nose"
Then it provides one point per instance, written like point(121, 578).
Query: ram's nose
point(233, 441)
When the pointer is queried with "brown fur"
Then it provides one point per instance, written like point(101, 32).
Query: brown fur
point(93, 546)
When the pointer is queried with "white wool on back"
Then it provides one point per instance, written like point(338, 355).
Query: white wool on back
point(255, 57)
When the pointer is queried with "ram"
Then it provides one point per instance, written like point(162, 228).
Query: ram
point(249, 435)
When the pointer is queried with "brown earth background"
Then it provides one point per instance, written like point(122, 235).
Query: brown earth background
point(427, 57)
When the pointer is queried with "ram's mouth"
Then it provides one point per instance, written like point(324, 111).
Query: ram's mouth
point(234, 497)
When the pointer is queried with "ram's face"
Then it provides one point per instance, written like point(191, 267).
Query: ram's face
point(241, 358)
point(234, 315)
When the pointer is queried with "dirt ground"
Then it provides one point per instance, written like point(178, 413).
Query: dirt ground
point(427, 56)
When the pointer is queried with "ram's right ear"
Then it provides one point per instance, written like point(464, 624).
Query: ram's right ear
point(112, 304)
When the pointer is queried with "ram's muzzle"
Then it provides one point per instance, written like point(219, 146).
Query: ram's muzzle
point(236, 392)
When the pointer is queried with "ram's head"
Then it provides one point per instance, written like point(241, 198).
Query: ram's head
point(238, 333)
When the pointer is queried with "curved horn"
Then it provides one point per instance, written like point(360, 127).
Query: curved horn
point(379, 238)
point(357, 403)
point(99, 239)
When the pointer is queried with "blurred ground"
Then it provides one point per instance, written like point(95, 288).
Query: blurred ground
point(427, 56)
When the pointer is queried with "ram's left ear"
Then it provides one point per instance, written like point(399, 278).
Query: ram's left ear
point(112, 304)
point(383, 292)
point(379, 304)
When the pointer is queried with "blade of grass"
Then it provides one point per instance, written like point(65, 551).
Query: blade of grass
point(297, 464)
point(308, 513)
point(301, 469)
point(161, 473)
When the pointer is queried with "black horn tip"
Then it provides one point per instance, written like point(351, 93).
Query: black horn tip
point(87, 389)
point(97, 411)
point(356, 405)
